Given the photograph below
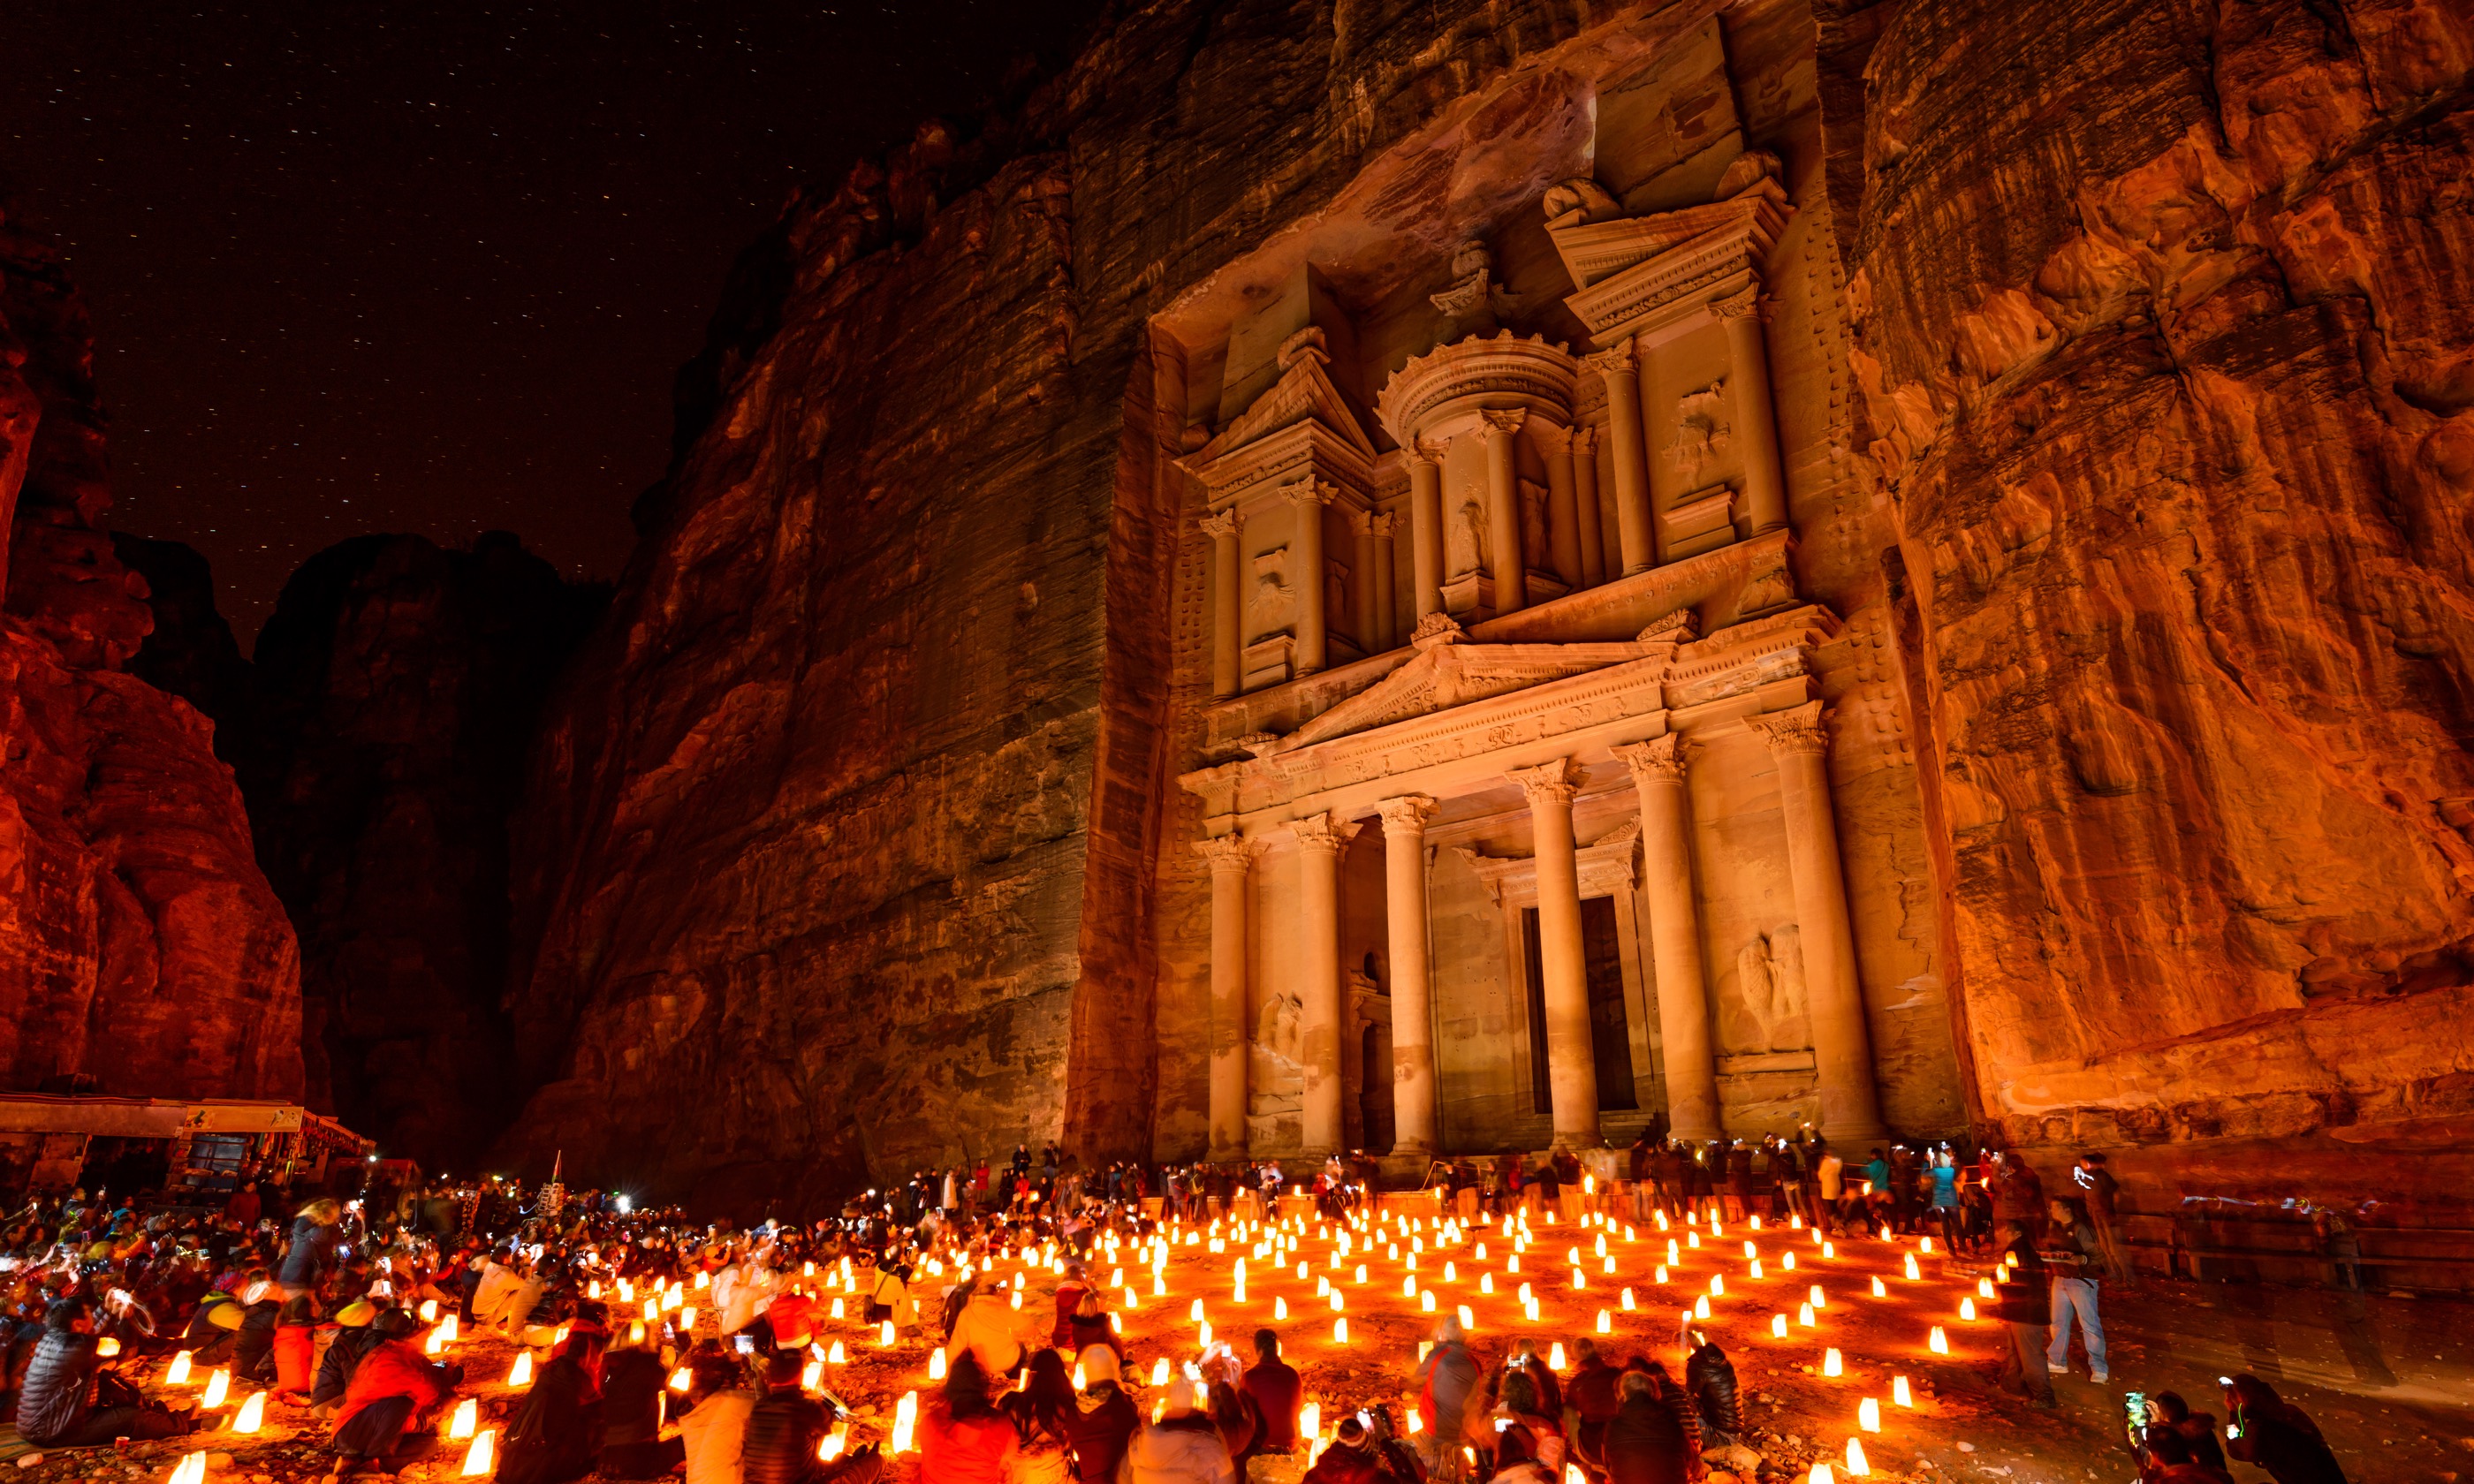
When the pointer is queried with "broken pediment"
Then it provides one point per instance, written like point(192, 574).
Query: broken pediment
point(1304, 392)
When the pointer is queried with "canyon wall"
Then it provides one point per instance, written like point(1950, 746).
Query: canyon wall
point(2166, 341)
point(390, 701)
point(139, 945)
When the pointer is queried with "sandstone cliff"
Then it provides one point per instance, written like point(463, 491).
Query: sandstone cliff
point(2166, 349)
point(390, 701)
point(138, 943)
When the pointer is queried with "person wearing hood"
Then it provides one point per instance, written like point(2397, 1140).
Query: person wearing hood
point(2272, 1433)
point(985, 1329)
point(393, 1393)
point(355, 1338)
point(1103, 1420)
point(1184, 1446)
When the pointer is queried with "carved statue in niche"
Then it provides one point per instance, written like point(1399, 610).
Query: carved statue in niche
point(1464, 537)
point(1533, 524)
point(1273, 608)
point(1474, 304)
point(1768, 1010)
point(1700, 438)
point(1277, 1070)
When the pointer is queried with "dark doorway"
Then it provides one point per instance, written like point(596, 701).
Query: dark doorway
point(1610, 1028)
point(1610, 1032)
point(1374, 1111)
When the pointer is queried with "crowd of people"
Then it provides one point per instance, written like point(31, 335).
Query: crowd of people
point(326, 1311)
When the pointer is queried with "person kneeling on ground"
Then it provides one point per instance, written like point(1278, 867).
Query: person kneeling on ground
point(394, 1393)
point(356, 1336)
point(71, 1400)
point(785, 1428)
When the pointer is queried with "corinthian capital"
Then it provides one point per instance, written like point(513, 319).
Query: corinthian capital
point(1327, 833)
point(1311, 492)
point(1549, 782)
point(1222, 524)
point(1505, 421)
point(1616, 360)
point(1736, 306)
point(1384, 526)
point(1792, 731)
point(1228, 853)
point(1406, 815)
point(1584, 441)
point(1658, 761)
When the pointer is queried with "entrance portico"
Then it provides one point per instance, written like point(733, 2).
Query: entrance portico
point(1584, 749)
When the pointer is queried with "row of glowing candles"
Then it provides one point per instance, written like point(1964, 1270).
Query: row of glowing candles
point(1268, 1240)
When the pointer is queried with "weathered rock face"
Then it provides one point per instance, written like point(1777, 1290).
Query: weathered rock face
point(391, 696)
point(190, 651)
point(2166, 345)
point(138, 943)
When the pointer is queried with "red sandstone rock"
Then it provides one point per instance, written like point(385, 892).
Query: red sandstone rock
point(138, 942)
point(2166, 349)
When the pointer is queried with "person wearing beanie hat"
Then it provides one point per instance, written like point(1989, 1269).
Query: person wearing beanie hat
point(364, 1329)
point(1349, 1460)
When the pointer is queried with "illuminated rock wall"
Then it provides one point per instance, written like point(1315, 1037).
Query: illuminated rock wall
point(2166, 344)
point(139, 945)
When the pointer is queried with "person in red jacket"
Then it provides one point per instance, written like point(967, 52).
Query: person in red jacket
point(1069, 1300)
point(963, 1438)
point(394, 1393)
point(296, 1350)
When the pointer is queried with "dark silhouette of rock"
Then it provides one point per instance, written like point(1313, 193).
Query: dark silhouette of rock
point(190, 651)
point(394, 693)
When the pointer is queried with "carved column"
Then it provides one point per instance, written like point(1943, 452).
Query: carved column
point(1231, 857)
point(1306, 575)
point(1503, 511)
point(1764, 479)
point(1426, 529)
point(1320, 838)
point(1841, 1044)
point(1361, 584)
point(1631, 449)
point(1571, 1063)
point(1585, 497)
point(1562, 509)
point(1404, 896)
point(1227, 607)
point(1387, 557)
point(1675, 936)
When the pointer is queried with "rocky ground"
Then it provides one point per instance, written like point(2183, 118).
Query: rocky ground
point(2173, 1336)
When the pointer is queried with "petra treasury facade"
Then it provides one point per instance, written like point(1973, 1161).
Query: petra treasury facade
point(1516, 783)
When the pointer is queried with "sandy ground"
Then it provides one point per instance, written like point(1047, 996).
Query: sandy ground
point(2390, 1413)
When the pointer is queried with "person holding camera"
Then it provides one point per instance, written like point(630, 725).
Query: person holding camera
point(2276, 1434)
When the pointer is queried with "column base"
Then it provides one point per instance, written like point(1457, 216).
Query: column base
point(1594, 1139)
point(1225, 1156)
point(1845, 1138)
point(1701, 1136)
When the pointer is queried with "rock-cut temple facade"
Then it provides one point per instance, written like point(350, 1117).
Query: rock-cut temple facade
point(1540, 799)
point(1454, 577)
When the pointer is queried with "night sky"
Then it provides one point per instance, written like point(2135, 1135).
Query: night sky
point(430, 267)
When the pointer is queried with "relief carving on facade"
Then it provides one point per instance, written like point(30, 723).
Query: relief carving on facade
point(1768, 1011)
point(1272, 605)
point(1700, 438)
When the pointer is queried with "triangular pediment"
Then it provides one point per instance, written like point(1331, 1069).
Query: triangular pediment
point(1304, 393)
point(1446, 675)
